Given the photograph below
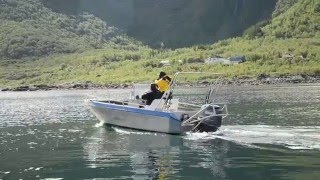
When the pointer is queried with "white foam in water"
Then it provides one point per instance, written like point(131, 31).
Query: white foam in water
point(32, 143)
point(197, 136)
point(100, 124)
point(38, 168)
point(300, 137)
point(121, 131)
point(127, 131)
point(74, 130)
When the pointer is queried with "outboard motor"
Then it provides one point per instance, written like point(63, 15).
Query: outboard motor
point(207, 119)
point(213, 123)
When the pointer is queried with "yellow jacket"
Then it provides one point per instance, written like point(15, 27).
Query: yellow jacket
point(163, 84)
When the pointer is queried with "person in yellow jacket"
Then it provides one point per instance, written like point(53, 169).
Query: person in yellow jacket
point(163, 82)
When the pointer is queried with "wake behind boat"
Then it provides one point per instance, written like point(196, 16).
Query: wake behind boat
point(166, 115)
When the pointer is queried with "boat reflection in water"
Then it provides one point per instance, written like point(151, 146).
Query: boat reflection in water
point(210, 153)
point(143, 155)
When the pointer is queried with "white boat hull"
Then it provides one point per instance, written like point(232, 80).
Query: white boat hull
point(135, 118)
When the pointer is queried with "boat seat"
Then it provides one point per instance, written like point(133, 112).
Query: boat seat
point(158, 104)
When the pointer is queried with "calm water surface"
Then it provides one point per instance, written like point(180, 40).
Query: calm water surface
point(273, 132)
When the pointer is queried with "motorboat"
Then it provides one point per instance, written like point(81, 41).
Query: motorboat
point(166, 115)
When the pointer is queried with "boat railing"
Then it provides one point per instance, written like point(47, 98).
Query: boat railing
point(213, 89)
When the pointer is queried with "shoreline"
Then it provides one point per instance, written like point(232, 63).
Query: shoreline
point(243, 81)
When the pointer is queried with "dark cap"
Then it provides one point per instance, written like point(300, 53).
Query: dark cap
point(162, 74)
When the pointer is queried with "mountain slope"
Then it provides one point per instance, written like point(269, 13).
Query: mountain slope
point(28, 29)
point(176, 23)
point(299, 21)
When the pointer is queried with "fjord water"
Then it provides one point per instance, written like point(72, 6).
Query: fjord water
point(273, 132)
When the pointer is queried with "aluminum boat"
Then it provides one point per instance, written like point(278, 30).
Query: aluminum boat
point(166, 115)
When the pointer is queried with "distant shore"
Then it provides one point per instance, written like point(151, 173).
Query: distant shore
point(243, 81)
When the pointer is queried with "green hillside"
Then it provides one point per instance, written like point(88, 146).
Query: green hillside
point(29, 30)
point(299, 21)
point(288, 44)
